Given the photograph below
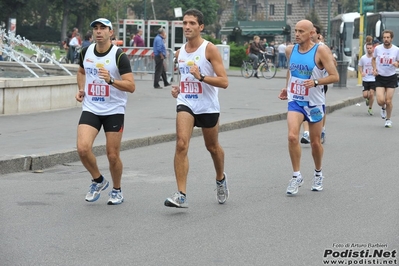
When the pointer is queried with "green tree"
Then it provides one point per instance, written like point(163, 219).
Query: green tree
point(349, 6)
point(11, 9)
point(314, 17)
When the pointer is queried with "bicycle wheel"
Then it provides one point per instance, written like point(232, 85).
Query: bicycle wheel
point(63, 60)
point(268, 70)
point(247, 70)
point(33, 58)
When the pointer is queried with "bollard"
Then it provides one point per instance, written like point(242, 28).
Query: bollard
point(342, 68)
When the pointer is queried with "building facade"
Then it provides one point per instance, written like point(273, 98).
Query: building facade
point(289, 11)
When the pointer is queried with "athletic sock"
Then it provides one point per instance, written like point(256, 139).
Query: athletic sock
point(99, 179)
point(297, 174)
point(318, 172)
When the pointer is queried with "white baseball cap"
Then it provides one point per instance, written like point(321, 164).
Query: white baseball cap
point(103, 21)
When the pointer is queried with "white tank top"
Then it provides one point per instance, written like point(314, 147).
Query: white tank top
point(101, 98)
point(200, 97)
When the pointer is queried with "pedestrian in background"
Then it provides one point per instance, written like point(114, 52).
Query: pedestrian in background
point(138, 41)
point(88, 39)
point(255, 51)
point(159, 57)
point(131, 42)
point(74, 45)
point(281, 55)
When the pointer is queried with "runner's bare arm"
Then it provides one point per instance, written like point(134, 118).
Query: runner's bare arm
point(283, 94)
point(213, 56)
point(81, 80)
point(323, 55)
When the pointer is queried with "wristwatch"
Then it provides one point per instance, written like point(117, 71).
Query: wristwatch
point(316, 82)
point(202, 77)
point(111, 81)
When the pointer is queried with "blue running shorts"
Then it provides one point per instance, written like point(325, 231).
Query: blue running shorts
point(312, 114)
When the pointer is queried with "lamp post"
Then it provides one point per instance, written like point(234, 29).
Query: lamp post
point(234, 11)
point(328, 19)
point(145, 9)
point(285, 11)
point(285, 17)
point(153, 10)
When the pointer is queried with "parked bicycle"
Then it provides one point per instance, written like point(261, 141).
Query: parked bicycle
point(10, 54)
point(63, 57)
point(44, 57)
point(265, 67)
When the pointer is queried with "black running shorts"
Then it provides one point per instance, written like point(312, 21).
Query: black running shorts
point(386, 82)
point(200, 120)
point(111, 123)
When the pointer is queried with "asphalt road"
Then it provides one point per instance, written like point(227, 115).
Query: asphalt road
point(40, 140)
point(45, 220)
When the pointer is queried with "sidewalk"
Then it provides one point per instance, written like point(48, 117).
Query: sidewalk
point(31, 142)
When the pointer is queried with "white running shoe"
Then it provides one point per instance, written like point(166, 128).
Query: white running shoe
point(222, 193)
point(95, 190)
point(388, 123)
point(177, 200)
point(305, 138)
point(294, 185)
point(115, 197)
point(383, 113)
point(317, 183)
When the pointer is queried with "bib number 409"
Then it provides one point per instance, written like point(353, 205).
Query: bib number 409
point(98, 90)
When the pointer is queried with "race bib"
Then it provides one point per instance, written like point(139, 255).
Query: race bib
point(99, 92)
point(386, 61)
point(298, 88)
point(191, 87)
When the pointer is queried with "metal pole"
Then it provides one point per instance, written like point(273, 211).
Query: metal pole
point(247, 9)
point(285, 11)
point(145, 9)
point(285, 17)
point(361, 30)
point(328, 19)
point(153, 10)
point(234, 11)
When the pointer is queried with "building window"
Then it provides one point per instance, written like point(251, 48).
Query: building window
point(271, 10)
point(254, 9)
point(289, 9)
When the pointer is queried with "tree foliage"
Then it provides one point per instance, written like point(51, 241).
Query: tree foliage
point(63, 15)
point(314, 17)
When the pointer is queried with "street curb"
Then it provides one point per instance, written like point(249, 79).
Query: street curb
point(36, 162)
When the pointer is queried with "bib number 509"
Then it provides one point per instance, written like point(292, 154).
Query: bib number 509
point(191, 87)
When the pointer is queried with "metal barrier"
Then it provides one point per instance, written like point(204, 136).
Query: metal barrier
point(142, 61)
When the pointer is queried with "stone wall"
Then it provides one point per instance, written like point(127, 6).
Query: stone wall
point(27, 95)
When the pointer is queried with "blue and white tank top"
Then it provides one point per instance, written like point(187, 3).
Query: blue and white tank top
point(302, 67)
